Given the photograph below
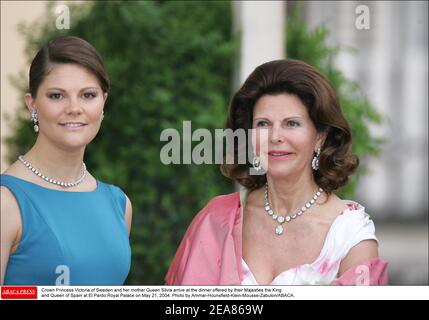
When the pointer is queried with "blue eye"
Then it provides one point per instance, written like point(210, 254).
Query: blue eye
point(89, 95)
point(55, 96)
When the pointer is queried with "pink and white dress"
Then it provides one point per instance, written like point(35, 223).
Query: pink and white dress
point(210, 252)
point(351, 227)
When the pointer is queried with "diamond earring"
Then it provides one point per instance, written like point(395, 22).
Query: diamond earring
point(256, 164)
point(35, 120)
point(315, 162)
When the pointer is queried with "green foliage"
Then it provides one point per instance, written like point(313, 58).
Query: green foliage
point(310, 46)
point(168, 62)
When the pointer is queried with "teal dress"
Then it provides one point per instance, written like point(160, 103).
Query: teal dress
point(69, 238)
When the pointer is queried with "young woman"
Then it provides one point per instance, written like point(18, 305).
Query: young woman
point(59, 225)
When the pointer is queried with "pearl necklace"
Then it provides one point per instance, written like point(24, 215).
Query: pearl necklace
point(281, 219)
point(53, 181)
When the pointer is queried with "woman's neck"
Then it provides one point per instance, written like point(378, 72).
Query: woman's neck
point(288, 195)
point(57, 163)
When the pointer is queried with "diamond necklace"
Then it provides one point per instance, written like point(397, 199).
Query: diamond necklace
point(53, 181)
point(281, 219)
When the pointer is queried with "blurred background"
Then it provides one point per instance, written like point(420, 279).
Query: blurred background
point(171, 61)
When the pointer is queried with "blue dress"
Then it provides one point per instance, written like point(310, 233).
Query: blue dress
point(69, 238)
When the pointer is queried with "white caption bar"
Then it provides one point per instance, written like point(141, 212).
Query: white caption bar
point(232, 292)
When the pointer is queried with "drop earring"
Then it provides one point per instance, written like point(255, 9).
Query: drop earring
point(315, 162)
point(35, 120)
point(256, 164)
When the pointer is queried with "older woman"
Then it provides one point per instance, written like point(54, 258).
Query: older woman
point(286, 226)
point(59, 225)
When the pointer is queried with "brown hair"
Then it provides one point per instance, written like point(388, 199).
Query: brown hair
point(336, 161)
point(67, 49)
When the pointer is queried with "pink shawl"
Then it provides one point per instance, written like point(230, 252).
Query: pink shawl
point(211, 250)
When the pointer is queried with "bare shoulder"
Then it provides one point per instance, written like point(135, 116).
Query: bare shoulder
point(330, 207)
point(16, 169)
point(337, 204)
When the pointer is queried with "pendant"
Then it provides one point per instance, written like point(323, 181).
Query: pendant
point(279, 229)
